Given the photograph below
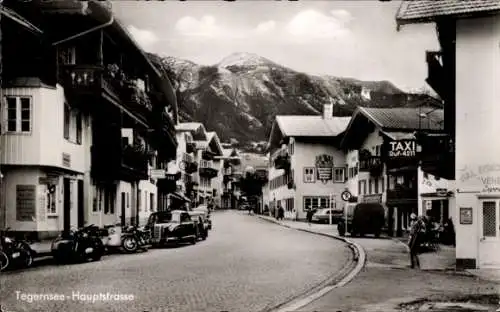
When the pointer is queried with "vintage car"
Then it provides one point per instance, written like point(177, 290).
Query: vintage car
point(172, 227)
point(323, 215)
point(200, 218)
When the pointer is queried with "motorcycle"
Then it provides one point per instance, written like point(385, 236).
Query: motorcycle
point(14, 253)
point(129, 238)
point(78, 245)
point(134, 238)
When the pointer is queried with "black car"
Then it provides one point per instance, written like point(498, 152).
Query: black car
point(172, 227)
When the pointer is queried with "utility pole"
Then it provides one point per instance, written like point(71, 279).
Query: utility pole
point(3, 209)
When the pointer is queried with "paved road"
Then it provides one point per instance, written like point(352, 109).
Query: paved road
point(247, 264)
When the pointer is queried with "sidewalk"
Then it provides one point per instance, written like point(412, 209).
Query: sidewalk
point(387, 282)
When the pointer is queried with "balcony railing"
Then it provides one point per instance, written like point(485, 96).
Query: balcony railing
point(402, 194)
point(207, 155)
point(282, 161)
point(135, 159)
point(207, 169)
point(435, 71)
point(92, 80)
point(372, 164)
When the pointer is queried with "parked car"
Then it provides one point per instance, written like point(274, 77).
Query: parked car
point(174, 226)
point(363, 218)
point(323, 215)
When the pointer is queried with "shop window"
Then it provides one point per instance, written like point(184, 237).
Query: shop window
point(151, 202)
point(362, 187)
point(51, 200)
point(316, 202)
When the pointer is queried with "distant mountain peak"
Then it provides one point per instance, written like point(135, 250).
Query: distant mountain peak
point(244, 59)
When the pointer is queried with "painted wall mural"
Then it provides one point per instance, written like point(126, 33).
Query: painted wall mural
point(324, 167)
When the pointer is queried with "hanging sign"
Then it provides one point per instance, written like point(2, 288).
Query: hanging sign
point(403, 148)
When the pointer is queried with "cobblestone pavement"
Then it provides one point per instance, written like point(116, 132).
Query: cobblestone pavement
point(247, 264)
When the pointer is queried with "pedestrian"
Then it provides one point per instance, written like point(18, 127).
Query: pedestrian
point(309, 215)
point(417, 232)
point(281, 213)
point(413, 219)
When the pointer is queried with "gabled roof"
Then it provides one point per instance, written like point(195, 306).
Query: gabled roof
point(254, 160)
point(425, 11)
point(303, 126)
point(197, 129)
point(213, 137)
point(397, 123)
point(405, 118)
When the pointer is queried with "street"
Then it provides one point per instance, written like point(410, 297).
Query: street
point(246, 264)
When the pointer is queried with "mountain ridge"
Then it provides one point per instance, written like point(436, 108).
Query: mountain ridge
point(240, 95)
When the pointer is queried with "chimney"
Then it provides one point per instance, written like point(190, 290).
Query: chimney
point(328, 110)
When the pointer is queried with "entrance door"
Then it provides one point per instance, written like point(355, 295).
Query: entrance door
point(81, 214)
point(66, 204)
point(123, 208)
point(489, 234)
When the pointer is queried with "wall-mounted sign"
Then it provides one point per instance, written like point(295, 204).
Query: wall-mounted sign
point(402, 148)
point(66, 160)
point(324, 167)
point(157, 173)
point(465, 215)
point(25, 202)
point(372, 198)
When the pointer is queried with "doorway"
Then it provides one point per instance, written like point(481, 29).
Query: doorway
point(80, 206)
point(489, 234)
point(66, 204)
point(123, 208)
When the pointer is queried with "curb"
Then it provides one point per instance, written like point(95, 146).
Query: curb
point(359, 257)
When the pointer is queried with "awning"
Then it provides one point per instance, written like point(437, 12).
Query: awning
point(180, 196)
point(400, 135)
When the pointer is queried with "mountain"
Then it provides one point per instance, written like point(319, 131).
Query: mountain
point(239, 96)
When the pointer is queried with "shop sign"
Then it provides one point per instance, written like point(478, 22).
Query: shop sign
point(465, 215)
point(403, 148)
point(157, 173)
point(372, 198)
point(324, 168)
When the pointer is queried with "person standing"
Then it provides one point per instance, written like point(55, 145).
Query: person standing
point(417, 232)
point(309, 215)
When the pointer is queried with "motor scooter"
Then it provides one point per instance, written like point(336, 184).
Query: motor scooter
point(14, 253)
point(129, 238)
point(78, 245)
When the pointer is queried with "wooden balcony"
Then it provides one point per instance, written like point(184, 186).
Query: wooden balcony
point(435, 72)
point(207, 155)
point(402, 195)
point(129, 163)
point(82, 81)
point(438, 155)
point(190, 147)
point(208, 171)
point(282, 161)
point(372, 164)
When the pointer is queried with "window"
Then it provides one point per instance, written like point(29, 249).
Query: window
point(489, 219)
point(316, 202)
point(151, 202)
point(79, 125)
point(370, 186)
point(289, 204)
point(376, 181)
point(291, 148)
point(362, 187)
point(339, 175)
point(309, 176)
point(51, 200)
point(18, 113)
point(67, 56)
point(382, 183)
point(67, 121)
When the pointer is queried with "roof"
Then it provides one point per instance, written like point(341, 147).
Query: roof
point(304, 126)
point(201, 144)
point(396, 123)
point(405, 118)
point(423, 11)
point(254, 160)
point(188, 126)
point(13, 15)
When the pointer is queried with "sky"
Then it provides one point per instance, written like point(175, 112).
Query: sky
point(356, 39)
